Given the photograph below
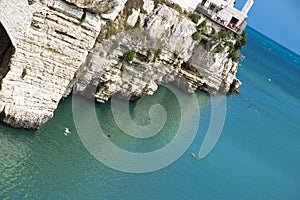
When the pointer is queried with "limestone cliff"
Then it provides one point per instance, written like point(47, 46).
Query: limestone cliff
point(166, 46)
point(105, 48)
point(45, 60)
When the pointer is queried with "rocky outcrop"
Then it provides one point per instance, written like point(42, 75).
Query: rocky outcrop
point(104, 48)
point(210, 71)
point(153, 45)
point(108, 9)
point(45, 61)
point(164, 50)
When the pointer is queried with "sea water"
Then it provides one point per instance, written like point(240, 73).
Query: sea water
point(256, 157)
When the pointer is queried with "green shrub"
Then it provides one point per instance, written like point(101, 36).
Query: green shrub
point(82, 17)
point(143, 11)
point(222, 34)
point(195, 17)
point(128, 56)
point(201, 25)
point(234, 55)
point(175, 54)
point(156, 54)
point(138, 23)
point(241, 41)
point(24, 73)
point(227, 43)
point(220, 49)
point(177, 7)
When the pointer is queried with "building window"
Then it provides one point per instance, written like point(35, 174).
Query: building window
point(211, 6)
point(233, 22)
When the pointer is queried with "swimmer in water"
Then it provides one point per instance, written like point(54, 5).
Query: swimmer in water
point(193, 155)
point(106, 136)
point(67, 132)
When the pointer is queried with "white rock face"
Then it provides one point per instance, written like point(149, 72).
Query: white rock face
point(117, 8)
point(109, 9)
point(148, 6)
point(17, 25)
point(44, 63)
point(216, 70)
point(172, 31)
point(162, 31)
point(56, 47)
point(187, 3)
point(132, 19)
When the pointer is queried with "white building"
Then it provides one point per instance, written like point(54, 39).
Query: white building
point(224, 12)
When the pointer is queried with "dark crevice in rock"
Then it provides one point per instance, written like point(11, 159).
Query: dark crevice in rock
point(65, 33)
point(6, 52)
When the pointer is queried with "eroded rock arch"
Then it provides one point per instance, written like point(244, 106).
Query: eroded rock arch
point(15, 19)
point(6, 51)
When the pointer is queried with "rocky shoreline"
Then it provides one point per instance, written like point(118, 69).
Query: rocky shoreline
point(103, 48)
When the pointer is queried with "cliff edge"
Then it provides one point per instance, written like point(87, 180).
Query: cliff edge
point(103, 48)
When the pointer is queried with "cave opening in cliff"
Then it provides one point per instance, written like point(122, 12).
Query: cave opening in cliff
point(6, 51)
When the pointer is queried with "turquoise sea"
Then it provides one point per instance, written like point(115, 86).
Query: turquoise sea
point(257, 156)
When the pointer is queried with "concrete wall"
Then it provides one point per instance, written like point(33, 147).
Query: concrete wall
point(229, 12)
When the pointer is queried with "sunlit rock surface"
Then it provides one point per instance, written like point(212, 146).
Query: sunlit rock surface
point(102, 48)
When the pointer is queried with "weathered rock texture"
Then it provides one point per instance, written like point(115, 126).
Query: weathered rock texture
point(154, 46)
point(108, 9)
point(45, 61)
point(164, 51)
point(74, 42)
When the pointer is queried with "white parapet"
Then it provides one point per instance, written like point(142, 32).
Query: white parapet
point(231, 3)
point(247, 6)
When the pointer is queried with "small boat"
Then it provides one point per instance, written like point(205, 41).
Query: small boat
point(105, 136)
